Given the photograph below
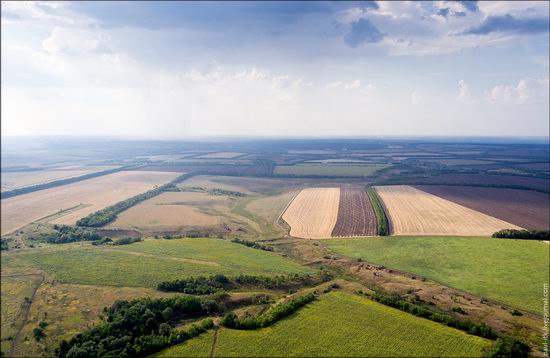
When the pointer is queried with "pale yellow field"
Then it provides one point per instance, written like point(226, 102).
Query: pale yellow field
point(94, 194)
point(15, 180)
point(170, 211)
point(414, 212)
point(313, 213)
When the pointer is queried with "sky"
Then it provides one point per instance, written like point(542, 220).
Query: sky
point(195, 69)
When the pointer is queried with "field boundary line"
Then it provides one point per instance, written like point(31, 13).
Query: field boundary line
point(26, 310)
point(283, 212)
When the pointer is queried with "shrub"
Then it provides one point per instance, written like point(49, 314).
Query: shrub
point(523, 234)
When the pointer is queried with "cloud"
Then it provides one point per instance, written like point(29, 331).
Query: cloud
point(469, 5)
point(73, 41)
point(353, 85)
point(363, 31)
point(443, 12)
point(527, 91)
point(509, 23)
point(464, 95)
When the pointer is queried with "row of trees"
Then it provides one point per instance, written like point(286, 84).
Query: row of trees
point(267, 319)
point(140, 327)
point(252, 244)
point(109, 214)
point(523, 234)
point(504, 346)
point(207, 285)
point(32, 188)
point(396, 301)
point(381, 219)
point(63, 234)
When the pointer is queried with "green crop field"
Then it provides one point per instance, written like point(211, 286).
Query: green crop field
point(335, 170)
point(146, 263)
point(510, 271)
point(339, 324)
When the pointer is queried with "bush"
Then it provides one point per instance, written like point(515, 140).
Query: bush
point(508, 347)
point(252, 244)
point(267, 319)
point(127, 240)
point(64, 234)
point(396, 301)
point(523, 234)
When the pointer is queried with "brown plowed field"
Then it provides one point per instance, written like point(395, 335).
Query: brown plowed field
point(355, 214)
point(313, 213)
point(415, 212)
point(525, 208)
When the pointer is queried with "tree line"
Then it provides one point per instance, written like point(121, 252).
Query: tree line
point(252, 244)
point(141, 327)
point(109, 214)
point(381, 219)
point(63, 234)
point(277, 313)
point(207, 285)
point(523, 234)
point(504, 346)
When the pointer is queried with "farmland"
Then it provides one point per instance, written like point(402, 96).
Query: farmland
point(91, 194)
point(241, 198)
point(15, 180)
point(525, 208)
point(491, 268)
point(334, 170)
point(330, 327)
point(165, 259)
point(313, 213)
point(414, 212)
point(355, 214)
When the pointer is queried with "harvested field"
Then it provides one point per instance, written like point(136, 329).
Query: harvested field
point(415, 212)
point(15, 180)
point(169, 211)
point(94, 194)
point(453, 161)
point(313, 213)
point(355, 214)
point(525, 208)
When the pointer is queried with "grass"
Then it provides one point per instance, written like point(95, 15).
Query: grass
point(381, 219)
point(339, 324)
point(510, 271)
point(335, 170)
point(147, 263)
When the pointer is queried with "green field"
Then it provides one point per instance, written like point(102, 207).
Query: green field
point(147, 263)
point(339, 324)
point(510, 271)
point(335, 170)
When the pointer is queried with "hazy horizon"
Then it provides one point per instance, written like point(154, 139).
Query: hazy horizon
point(275, 69)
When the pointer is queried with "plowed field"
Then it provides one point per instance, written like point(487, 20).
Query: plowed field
point(355, 214)
point(415, 212)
